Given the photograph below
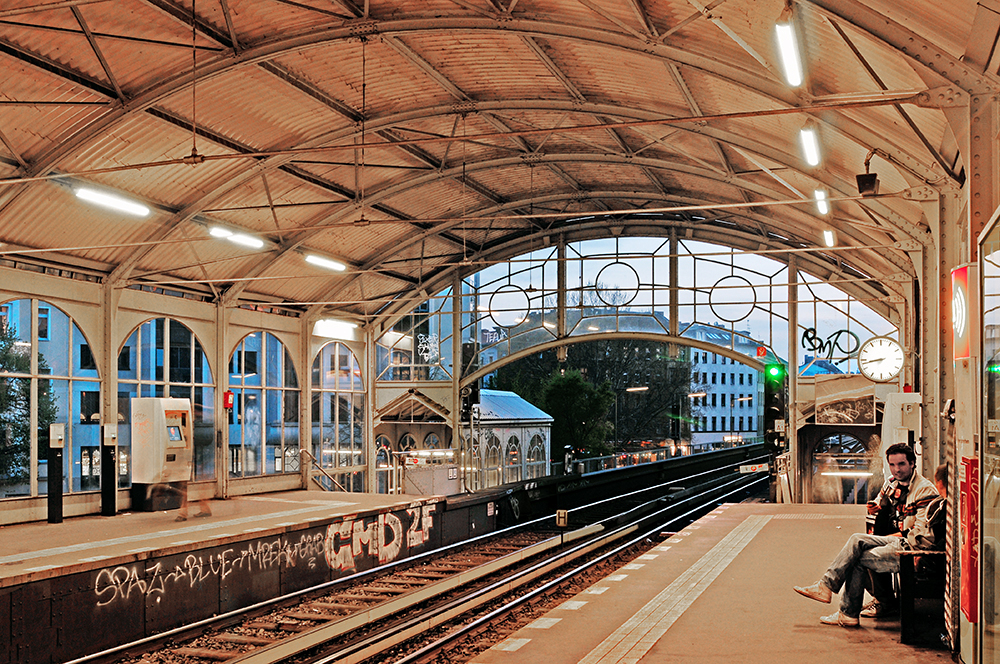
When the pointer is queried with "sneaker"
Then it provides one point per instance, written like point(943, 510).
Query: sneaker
point(876, 609)
point(817, 591)
point(181, 518)
point(203, 514)
point(839, 618)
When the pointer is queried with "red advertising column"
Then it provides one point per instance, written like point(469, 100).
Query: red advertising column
point(968, 486)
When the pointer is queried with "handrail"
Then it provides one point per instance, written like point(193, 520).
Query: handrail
point(320, 468)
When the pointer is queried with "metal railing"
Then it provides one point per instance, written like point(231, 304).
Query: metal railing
point(315, 462)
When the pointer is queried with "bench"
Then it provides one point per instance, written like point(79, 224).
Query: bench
point(921, 577)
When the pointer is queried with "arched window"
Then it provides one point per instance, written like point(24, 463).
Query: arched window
point(536, 457)
point(474, 470)
point(162, 358)
point(264, 420)
point(338, 415)
point(432, 441)
point(512, 460)
point(47, 369)
point(492, 466)
point(383, 465)
point(407, 443)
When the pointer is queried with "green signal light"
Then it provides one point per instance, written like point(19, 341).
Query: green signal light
point(993, 368)
point(775, 370)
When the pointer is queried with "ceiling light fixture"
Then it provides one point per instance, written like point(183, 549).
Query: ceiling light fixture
point(809, 137)
point(822, 203)
point(236, 238)
point(111, 201)
point(868, 181)
point(328, 263)
point(829, 239)
point(334, 329)
point(788, 47)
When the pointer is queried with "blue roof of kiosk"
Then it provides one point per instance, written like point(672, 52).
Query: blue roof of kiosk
point(500, 405)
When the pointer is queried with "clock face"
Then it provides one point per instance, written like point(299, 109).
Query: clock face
point(880, 359)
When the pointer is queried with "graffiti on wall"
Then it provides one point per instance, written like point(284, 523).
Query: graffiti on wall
point(124, 582)
point(358, 541)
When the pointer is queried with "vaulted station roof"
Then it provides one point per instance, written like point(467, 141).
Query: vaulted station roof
point(409, 139)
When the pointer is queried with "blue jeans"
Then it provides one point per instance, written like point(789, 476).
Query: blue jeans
point(849, 569)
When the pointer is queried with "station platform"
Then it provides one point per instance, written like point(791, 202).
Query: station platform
point(720, 591)
point(63, 585)
point(40, 550)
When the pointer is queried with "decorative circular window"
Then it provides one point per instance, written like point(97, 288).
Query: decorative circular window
point(732, 298)
point(509, 305)
point(617, 284)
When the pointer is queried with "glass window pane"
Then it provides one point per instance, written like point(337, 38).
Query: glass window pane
point(180, 353)
point(274, 354)
point(15, 435)
point(54, 347)
point(291, 379)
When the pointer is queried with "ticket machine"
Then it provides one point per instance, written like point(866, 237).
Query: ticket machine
point(162, 452)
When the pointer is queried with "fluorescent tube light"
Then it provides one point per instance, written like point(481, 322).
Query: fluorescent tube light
point(219, 231)
point(809, 137)
point(334, 329)
point(111, 201)
point(246, 240)
point(828, 238)
point(325, 262)
point(822, 204)
point(788, 48)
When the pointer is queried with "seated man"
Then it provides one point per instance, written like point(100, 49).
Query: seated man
point(877, 553)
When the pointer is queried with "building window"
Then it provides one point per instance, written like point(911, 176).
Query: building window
point(87, 358)
point(713, 402)
point(713, 378)
point(90, 407)
point(723, 379)
point(713, 423)
point(43, 323)
point(338, 398)
point(741, 379)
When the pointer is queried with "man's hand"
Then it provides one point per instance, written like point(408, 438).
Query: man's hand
point(873, 508)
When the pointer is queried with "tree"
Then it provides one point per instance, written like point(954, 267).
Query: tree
point(578, 412)
point(15, 409)
point(661, 411)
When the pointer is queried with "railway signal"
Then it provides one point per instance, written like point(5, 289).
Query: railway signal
point(775, 403)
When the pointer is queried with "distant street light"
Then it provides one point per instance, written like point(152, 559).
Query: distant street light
point(637, 388)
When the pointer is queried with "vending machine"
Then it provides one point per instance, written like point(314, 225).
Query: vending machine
point(162, 452)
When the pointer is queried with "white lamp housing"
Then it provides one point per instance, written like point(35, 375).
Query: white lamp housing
point(822, 203)
point(809, 137)
point(788, 48)
point(328, 263)
point(111, 201)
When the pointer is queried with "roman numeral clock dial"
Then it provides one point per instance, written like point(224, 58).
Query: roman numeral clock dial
point(881, 359)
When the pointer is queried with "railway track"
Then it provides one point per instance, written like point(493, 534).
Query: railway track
point(426, 605)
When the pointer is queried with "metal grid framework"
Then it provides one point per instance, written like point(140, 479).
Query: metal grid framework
point(410, 140)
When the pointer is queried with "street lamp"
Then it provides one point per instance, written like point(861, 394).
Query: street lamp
point(638, 388)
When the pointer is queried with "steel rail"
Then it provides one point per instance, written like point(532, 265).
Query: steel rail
point(382, 640)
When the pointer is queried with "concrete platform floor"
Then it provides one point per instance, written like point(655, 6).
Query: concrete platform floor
point(718, 592)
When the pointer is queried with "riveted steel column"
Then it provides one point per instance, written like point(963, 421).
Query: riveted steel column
point(456, 374)
point(368, 383)
point(982, 164)
point(793, 380)
point(110, 297)
point(561, 288)
point(675, 296)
